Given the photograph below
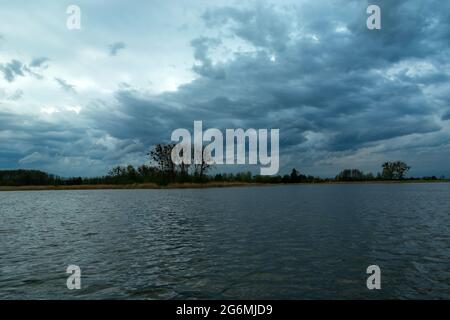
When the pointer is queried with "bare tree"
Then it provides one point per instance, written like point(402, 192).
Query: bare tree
point(201, 169)
point(161, 157)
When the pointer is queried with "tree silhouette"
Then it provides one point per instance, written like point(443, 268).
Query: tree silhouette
point(394, 170)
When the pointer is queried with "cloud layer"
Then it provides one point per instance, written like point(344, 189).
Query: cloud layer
point(341, 95)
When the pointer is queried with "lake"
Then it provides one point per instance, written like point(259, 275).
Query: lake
point(274, 242)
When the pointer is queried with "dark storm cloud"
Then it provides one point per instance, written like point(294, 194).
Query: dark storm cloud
point(205, 67)
point(115, 48)
point(446, 115)
point(15, 68)
point(313, 70)
point(34, 136)
point(259, 25)
point(65, 85)
point(38, 62)
point(55, 145)
point(12, 69)
point(136, 116)
point(321, 80)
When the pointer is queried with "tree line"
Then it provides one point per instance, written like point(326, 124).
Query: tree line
point(390, 171)
point(161, 170)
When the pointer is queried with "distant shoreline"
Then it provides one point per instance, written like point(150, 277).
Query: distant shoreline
point(138, 186)
point(134, 186)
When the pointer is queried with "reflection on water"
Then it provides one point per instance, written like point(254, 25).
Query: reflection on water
point(283, 242)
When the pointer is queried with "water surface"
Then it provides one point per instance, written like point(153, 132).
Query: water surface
point(282, 242)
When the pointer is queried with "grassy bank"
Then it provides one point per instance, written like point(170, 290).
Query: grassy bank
point(131, 186)
point(199, 185)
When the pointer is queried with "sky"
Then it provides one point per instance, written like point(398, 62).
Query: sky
point(78, 102)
